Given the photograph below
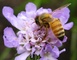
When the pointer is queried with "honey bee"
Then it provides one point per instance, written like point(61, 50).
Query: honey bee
point(48, 21)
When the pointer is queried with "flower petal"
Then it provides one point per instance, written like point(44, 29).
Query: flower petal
point(30, 10)
point(27, 46)
point(8, 14)
point(49, 10)
point(62, 14)
point(30, 7)
point(23, 56)
point(43, 58)
point(7, 11)
point(9, 32)
point(22, 15)
point(55, 51)
point(20, 49)
point(58, 44)
point(10, 38)
point(48, 58)
point(52, 38)
point(65, 39)
point(48, 48)
point(63, 50)
point(42, 10)
point(68, 26)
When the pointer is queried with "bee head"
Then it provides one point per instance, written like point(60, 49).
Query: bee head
point(43, 19)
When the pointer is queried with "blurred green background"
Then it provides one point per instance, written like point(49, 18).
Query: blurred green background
point(19, 5)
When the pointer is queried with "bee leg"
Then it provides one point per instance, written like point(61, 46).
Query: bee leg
point(46, 29)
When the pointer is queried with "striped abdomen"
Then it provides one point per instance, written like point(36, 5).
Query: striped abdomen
point(57, 28)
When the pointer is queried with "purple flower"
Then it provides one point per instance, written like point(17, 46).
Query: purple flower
point(29, 39)
point(50, 53)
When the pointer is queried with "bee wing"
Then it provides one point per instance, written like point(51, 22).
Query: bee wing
point(62, 13)
point(62, 7)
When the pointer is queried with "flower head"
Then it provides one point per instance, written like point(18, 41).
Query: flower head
point(29, 39)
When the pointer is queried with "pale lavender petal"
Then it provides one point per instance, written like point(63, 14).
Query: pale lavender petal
point(23, 56)
point(27, 46)
point(53, 38)
point(8, 31)
point(49, 10)
point(62, 14)
point(33, 40)
point(58, 44)
point(48, 48)
point(8, 14)
point(68, 26)
point(10, 39)
point(48, 58)
point(22, 15)
point(37, 52)
point(30, 7)
point(8, 44)
point(65, 39)
point(20, 49)
point(31, 14)
point(42, 10)
point(33, 25)
point(55, 51)
point(7, 11)
point(63, 50)
point(43, 58)
point(30, 10)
